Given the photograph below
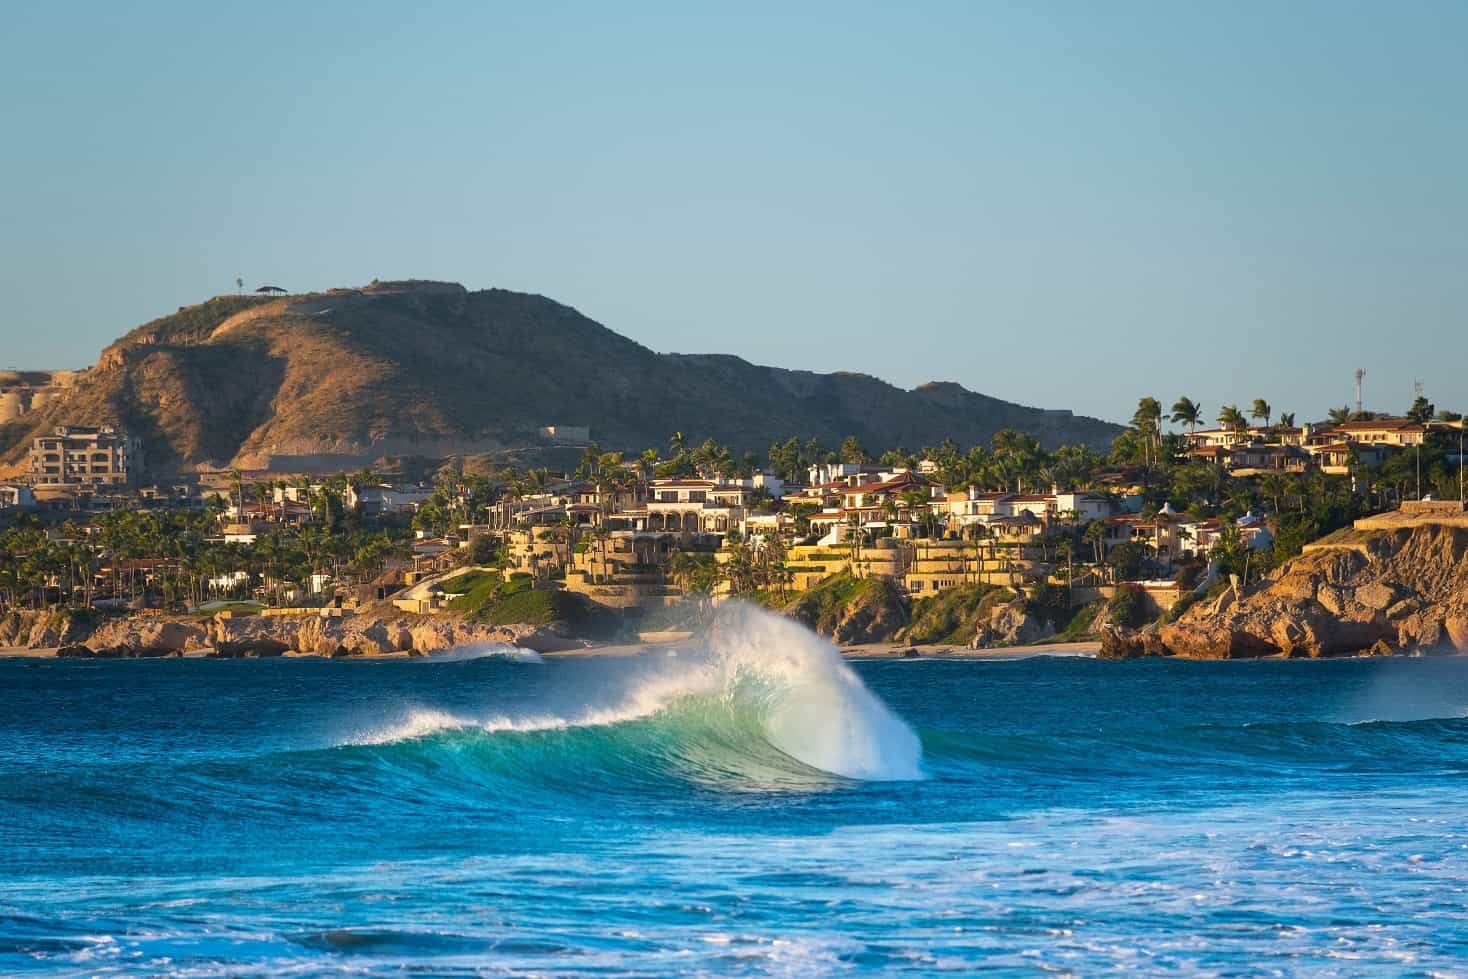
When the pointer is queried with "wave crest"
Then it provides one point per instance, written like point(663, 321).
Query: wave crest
point(756, 682)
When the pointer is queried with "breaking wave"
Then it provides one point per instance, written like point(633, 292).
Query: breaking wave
point(759, 697)
point(493, 650)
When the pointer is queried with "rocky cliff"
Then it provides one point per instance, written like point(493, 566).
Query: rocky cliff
point(1385, 592)
point(356, 635)
point(847, 610)
point(330, 380)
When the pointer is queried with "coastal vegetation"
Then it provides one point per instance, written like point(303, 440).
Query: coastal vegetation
point(955, 615)
point(314, 543)
point(503, 600)
point(850, 609)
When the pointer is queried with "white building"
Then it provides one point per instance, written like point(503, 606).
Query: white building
point(376, 500)
point(16, 495)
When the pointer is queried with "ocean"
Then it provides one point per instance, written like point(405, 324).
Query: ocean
point(751, 805)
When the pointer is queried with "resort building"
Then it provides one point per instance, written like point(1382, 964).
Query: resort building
point(1248, 460)
point(1376, 431)
point(79, 455)
point(696, 506)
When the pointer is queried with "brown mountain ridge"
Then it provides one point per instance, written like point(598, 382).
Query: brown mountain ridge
point(333, 379)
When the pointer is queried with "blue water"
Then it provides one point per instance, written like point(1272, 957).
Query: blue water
point(670, 814)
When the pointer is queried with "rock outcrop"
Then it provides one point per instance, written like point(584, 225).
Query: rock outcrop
point(276, 635)
point(148, 637)
point(1400, 591)
point(850, 610)
point(1012, 624)
point(369, 635)
point(39, 629)
point(873, 616)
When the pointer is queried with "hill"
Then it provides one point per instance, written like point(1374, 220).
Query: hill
point(334, 379)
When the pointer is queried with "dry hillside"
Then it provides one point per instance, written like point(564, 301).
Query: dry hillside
point(333, 379)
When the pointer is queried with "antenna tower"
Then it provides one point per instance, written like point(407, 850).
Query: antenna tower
point(1360, 379)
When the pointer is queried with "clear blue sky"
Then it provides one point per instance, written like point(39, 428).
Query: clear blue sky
point(1065, 204)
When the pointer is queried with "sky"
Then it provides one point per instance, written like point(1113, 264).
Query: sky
point(1068, 205)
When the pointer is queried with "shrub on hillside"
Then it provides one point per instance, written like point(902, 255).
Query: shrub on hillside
point(1128, 607)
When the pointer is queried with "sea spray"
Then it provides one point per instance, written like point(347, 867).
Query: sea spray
point(817, 710)
point(753, 682)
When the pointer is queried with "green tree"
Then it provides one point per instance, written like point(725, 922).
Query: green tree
point(1147, 420)
point(1231, 419)
point(1185, 411)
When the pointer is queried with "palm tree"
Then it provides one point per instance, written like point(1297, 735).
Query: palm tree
point(1094, 534)
point(919, 504)
point(1273, 485)
point(513, 492)
point(1261, 411)
point(1185, 411)
point(1341, 415)
point(647, 464)
point(238, 478)
point(1147, 420)
point(1231, 419)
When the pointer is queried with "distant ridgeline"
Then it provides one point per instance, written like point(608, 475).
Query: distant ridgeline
point(333, 379)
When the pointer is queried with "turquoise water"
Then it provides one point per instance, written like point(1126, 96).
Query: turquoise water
point(756, 808)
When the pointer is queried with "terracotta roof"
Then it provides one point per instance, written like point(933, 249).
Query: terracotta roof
point(1381, 425)
point(904, 479)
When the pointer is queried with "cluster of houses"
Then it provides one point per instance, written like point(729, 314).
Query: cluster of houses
point(617, 545)
point(616, 540)
point(1333, 448)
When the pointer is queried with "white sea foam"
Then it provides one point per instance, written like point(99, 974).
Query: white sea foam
point(818, 710)
point(485, 650)
point(811, 705)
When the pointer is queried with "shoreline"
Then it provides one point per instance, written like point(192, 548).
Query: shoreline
point(900, 650)
point(859, 651)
